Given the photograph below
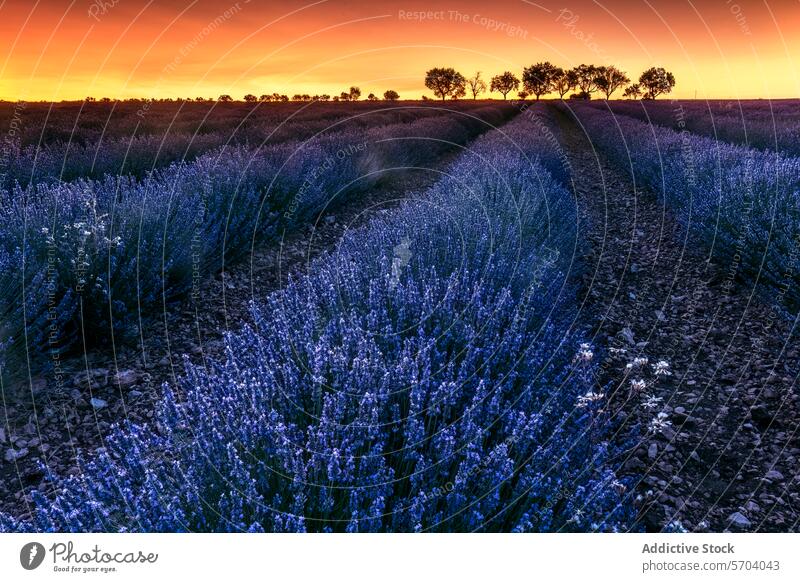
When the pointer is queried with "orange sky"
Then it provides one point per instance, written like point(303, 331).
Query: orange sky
point(62, 49)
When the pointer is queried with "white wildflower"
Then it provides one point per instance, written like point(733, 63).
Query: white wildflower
point(576, 517)
point(637, 363)
point(652, 402)
point(659, 423)
point(585, 353)
point(638, 385)
point(661, 368)
point(589, 397)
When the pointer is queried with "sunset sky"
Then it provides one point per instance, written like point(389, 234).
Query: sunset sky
point(61, 49)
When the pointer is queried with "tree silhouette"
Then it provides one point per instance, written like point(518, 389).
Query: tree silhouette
point(523, 95)
point(633, 91)
point(445, 82)
point(538, 79)
point(609, 79)
point(564, 81)
point(657, 81)
point(505, 83)
point(250, 98)
point(265, 98)
point(225, 98)
point(355, 93)
point(344, 96)
point(586, 79)
point(476, 85)
point(391, 95)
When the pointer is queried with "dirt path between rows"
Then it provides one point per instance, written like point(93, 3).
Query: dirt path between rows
point(124, 381)
point(725, 456)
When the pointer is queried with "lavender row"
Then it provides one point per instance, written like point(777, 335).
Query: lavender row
point(137, 155)
point(87, 255)
point(761, 125)
point(742, 204)
point(423, 377)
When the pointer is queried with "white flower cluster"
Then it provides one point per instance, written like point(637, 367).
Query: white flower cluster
point(585, 353)
point(661, 368)
point(637, 363)
point(659, 423)
point(589, 398)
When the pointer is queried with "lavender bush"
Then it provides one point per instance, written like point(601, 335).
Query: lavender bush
point(138, 154)
point(764, 125)
point(91, 252)
point(742, 204)
point(422, 377)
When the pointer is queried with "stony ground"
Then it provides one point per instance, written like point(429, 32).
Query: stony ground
point(723, 457)
point(726, 453)
point(109, 383)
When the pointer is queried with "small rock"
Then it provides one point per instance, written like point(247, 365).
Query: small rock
point(761, 416)
point(652, 451)
point(752, 507)
point(774, 475)
point(634, 465)
point(134, 394)
point(126, 378)
point(98, 403)
point(2, 435)
point(739, 520)
point(13, 455)
point(627, 333)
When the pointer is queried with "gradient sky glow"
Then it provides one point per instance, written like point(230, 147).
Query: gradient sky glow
point(62, 49)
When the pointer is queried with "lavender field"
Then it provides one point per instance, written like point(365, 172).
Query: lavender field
point(400, 316)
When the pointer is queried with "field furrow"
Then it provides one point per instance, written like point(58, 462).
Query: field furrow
point(714, 360)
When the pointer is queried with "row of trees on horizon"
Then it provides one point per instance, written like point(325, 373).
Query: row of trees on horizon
point(537, 80)
point(544, 78)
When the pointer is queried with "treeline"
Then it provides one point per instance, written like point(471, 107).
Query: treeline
point(544, 78)
point(352, 94)
point(536, 80)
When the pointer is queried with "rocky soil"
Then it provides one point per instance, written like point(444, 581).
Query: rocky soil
point(57, 422)
point(725, 453)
